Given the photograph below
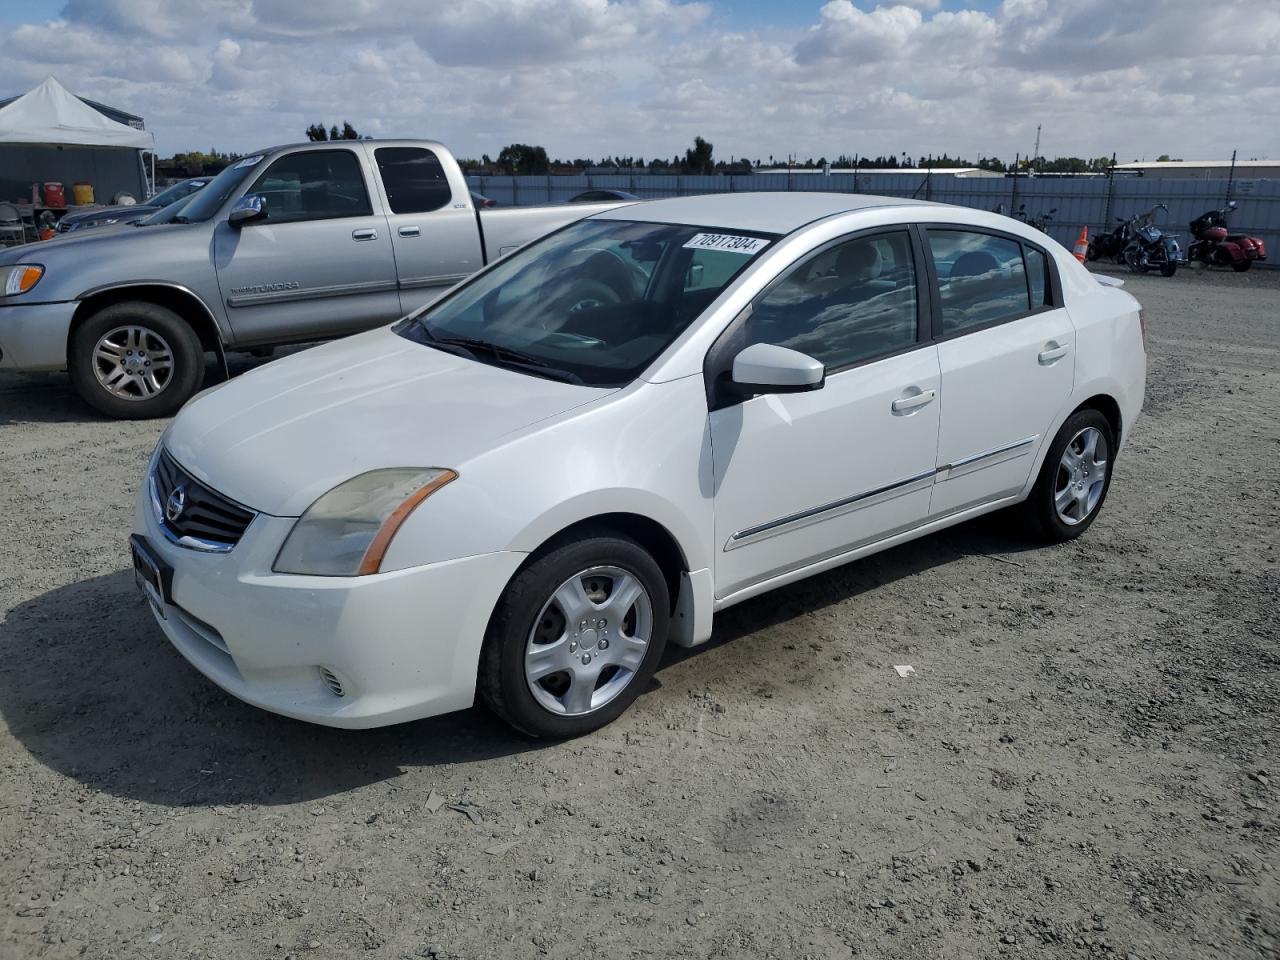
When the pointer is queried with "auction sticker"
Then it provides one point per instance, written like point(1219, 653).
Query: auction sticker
point(728, 242)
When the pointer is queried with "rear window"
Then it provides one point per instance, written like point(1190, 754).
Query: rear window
point(981, 279)
point(414, 179)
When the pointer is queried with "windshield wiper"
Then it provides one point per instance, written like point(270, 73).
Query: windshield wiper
point(505, 356)
point(178, 218)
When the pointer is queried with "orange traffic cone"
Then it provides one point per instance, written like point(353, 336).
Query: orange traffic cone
point(1082, 244)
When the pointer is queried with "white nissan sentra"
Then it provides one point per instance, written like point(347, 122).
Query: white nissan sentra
point(528, 488)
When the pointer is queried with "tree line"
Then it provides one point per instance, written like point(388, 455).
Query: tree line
point(523, 159)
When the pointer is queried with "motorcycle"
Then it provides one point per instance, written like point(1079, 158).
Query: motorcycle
point(1111, 245)
point(1040, 222)
point(1216, 247)
point(1150, 247)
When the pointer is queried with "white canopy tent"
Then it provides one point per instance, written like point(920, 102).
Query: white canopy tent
point(50, 115)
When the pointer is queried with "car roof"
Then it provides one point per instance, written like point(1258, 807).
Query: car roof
point(775, 212)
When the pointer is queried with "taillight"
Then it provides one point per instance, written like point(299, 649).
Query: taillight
point(1142, 325)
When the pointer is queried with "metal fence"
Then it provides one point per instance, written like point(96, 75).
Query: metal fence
point(1084, 201)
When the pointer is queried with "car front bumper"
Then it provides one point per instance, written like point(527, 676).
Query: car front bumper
point(401, 645)
point(33, 336)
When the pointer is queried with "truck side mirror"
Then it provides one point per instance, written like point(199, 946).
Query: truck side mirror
point(247, 209)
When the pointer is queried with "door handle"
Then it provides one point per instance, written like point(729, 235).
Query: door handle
point(368, 233)
point(913, 402)
point(410, 232)
point(1052, 352)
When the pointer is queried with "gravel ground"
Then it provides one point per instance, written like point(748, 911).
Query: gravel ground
point(1086, 763)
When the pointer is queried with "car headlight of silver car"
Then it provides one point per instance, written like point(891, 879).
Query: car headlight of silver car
point(19, 278)
point(347, 531)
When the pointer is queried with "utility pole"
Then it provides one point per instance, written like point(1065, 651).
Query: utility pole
point(1035, 154)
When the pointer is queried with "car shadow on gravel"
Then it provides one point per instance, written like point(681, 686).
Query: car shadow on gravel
point(42, 398)
point(92, 689)
point(90, 686)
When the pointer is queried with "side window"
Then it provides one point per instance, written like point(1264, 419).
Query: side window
point(314, 185)
point(981, 278)
point(851, 302)
point(1037, 277)
point(414, 179)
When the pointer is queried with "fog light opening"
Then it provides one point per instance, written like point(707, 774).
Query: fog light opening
point(332, 682)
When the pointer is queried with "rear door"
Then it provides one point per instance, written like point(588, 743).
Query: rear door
point(319, 264)
point(433, 227)
point(1007, 352)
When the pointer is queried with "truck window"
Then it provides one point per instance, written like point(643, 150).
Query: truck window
point(313, 185)
point(414, 179)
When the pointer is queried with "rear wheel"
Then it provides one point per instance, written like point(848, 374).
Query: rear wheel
point(576, 637)
point(135, 360)
point(1168, 268)
point(1240, 266)
point(1074, 479)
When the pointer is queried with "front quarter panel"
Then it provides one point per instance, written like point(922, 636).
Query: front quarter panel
point(644, 450)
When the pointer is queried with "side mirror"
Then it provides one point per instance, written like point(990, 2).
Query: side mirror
point(247, 209)
point(1231, 204)
point(768, 368)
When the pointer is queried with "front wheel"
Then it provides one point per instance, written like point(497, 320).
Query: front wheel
point(1074, 478)
point(1168, 268)
point(1240, 266)
point(135, 360)
point(576, 637)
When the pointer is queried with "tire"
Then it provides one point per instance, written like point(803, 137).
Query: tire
point(1240, 266)
point(116, 361)
point(1168, 268)
point(535, 643)
point(1083, 498)
point(1091, 253)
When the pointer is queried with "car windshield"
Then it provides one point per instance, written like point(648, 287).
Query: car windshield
point(594, 303)
point(175, 193)
point(209, 200)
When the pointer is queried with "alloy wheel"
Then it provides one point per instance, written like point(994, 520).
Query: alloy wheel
point(133, 362)
point(1082, 476)
point(588, 641)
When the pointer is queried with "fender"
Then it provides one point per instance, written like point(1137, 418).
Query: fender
point(219, 337)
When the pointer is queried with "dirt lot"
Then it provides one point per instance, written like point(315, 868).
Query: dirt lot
point(1087, 763)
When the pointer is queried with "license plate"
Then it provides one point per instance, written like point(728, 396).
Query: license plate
point(152, 574)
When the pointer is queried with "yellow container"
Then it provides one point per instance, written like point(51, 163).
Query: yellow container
point(82, 193)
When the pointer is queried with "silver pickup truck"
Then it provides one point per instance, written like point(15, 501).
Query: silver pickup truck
point(288, 245)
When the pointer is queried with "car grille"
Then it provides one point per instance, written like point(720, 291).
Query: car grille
point(206, 521)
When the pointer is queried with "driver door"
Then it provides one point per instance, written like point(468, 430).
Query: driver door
point(320, 263)
point(802, 477)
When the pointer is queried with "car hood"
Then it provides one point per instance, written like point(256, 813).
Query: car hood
point(278, 437)
point(136, 211)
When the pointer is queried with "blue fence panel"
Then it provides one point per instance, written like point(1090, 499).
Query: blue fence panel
point(1094, 202)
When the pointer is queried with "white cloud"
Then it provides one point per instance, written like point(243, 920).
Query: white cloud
point(643, 77)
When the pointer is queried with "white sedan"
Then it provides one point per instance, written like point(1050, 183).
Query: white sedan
point(531, 486)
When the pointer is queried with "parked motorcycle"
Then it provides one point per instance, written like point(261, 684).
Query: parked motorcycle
point(1040, 221)
point(1111, 245)
point(1149, 247)
point(1215, 246)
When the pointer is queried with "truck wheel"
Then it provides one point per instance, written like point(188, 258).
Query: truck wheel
point(135, 360)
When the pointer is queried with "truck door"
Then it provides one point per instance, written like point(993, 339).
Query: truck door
point(319, 264)
point(433, 224)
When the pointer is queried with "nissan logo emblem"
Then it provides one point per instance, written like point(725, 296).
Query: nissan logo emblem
point(176, 503)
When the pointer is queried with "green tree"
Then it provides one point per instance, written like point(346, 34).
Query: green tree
point(317, 132)
point(698, 159)
point(349, 132)
point(521, 159)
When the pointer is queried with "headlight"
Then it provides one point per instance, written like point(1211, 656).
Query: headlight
point(347, 531)
point(19, 278)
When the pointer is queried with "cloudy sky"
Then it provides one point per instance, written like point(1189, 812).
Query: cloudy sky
point(1192, 78)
